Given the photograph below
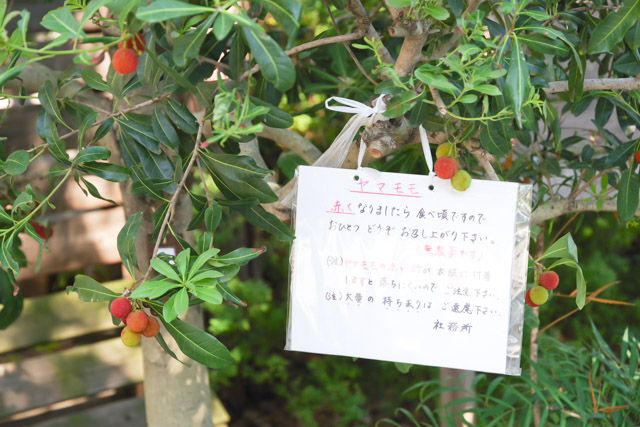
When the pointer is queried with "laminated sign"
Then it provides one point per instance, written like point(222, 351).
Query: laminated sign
point(404, 268)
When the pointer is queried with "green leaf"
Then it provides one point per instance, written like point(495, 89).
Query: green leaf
point(276, 66)
point(564, 247)
point(94, 191)
point(201, 260)
point(276, 117)
point(488, 89)
point(164, 130)
point(47, 97)
point(207, 275)
point(199, 345)
point(103, 130)
point(61, 21)
point(437, 12)
point(17, 162)
point(222, 26)
point(212, 216)
point(181, 304)
point(10, 305)
point(163, 10)
point(141, 133)
point(621, 153)
point(544, 45)
point(154, 289)
point(165, 269)
point(127, 238)
point(89, 290)
point(168, 312)
point(632, 38)
point(241, 256)
point(492, 139)
point(108, 171)
point(94, 80)
point(209, 294)
point(398, 3)
point(188, 45)
point(267, 221)
point(90, 154)
point(437, 81)
point(517, 82)
point(181, 117)
point(628, 192)
point(286, 12)
point(611, 30)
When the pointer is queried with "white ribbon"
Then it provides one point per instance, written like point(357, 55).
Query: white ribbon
point(427, 151)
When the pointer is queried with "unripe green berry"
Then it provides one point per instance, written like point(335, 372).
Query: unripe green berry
point(137, 321)
point(539, 295)
point(549, 280)
point(444, 150)
point(445, 167)
point(461, 180)
point(527, 299)
point(130, 338)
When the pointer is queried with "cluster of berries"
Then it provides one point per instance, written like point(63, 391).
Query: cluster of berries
point(137, 322)
point(125, 60)
point(446, 167)
point(539, 294)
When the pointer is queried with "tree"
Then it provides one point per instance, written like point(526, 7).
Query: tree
point(213, 80)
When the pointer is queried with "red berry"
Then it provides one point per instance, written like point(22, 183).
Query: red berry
point(125, 61)
point(137, 321)
point(120, 308)
point(136, 43)
point(527, 299)
point(638, 156)
point(446, 167)
point(41, 230)
point(549, 280)
point(152, 329)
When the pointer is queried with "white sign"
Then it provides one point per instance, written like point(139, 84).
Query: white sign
point(403, 268)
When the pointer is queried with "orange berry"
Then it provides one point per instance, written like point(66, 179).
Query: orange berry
point(445, 167)
point(152, 329)
point(120, 308)
point(125, 61)
point(137, 321)
point(549, 280)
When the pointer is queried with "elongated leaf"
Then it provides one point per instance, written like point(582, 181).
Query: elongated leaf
point(166, 348)
point(11, 301)
point(437, 12)
point(401, 103)
point(164, 130)
point(628, 193)
point(165, 269)
point(168, 312)
point(163, 10)
point(241, 256)
point(91, 154)
point(611, 30)
point(181, 303)
point(564, 247)
point(47, 97)
point(62, 21)
point(544, 45)
point(269, 222)
point(199, 345)
point(103, 129)
point(212, 216)
point(94, 80)
point(181, 117)
point(90, 290)
point(517, 82)
point(188, 45)
point(209, 294)
point(108, 171)
point(437, 81)
point(276, 117)
point(17, 162)
point(618, 156)
point(207, 275)
point(201, 260)
point(488, 89)
point(276, 65)
point(632, 38)
point(127, 238)
point(141, 133)
point(222, 26)
point(94, 191)
point(236, 168)
point(154, 289)
point(286, 12)
point(492, 139)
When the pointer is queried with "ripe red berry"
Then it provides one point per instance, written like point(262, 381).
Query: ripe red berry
point(120, 308)
point(130, 338)
point(41, 230)
point(152, 329)
point(125, 61)
point(137, 321)
point(446, 167)
point(527, 299)
point(638, 156)
point(136, 43)
point(549, 280)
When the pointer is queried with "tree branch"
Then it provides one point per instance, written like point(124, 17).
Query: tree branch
point(293, 141)
point(327, 40)
point(630, 83)
point(555, 209)
point(365, 26)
